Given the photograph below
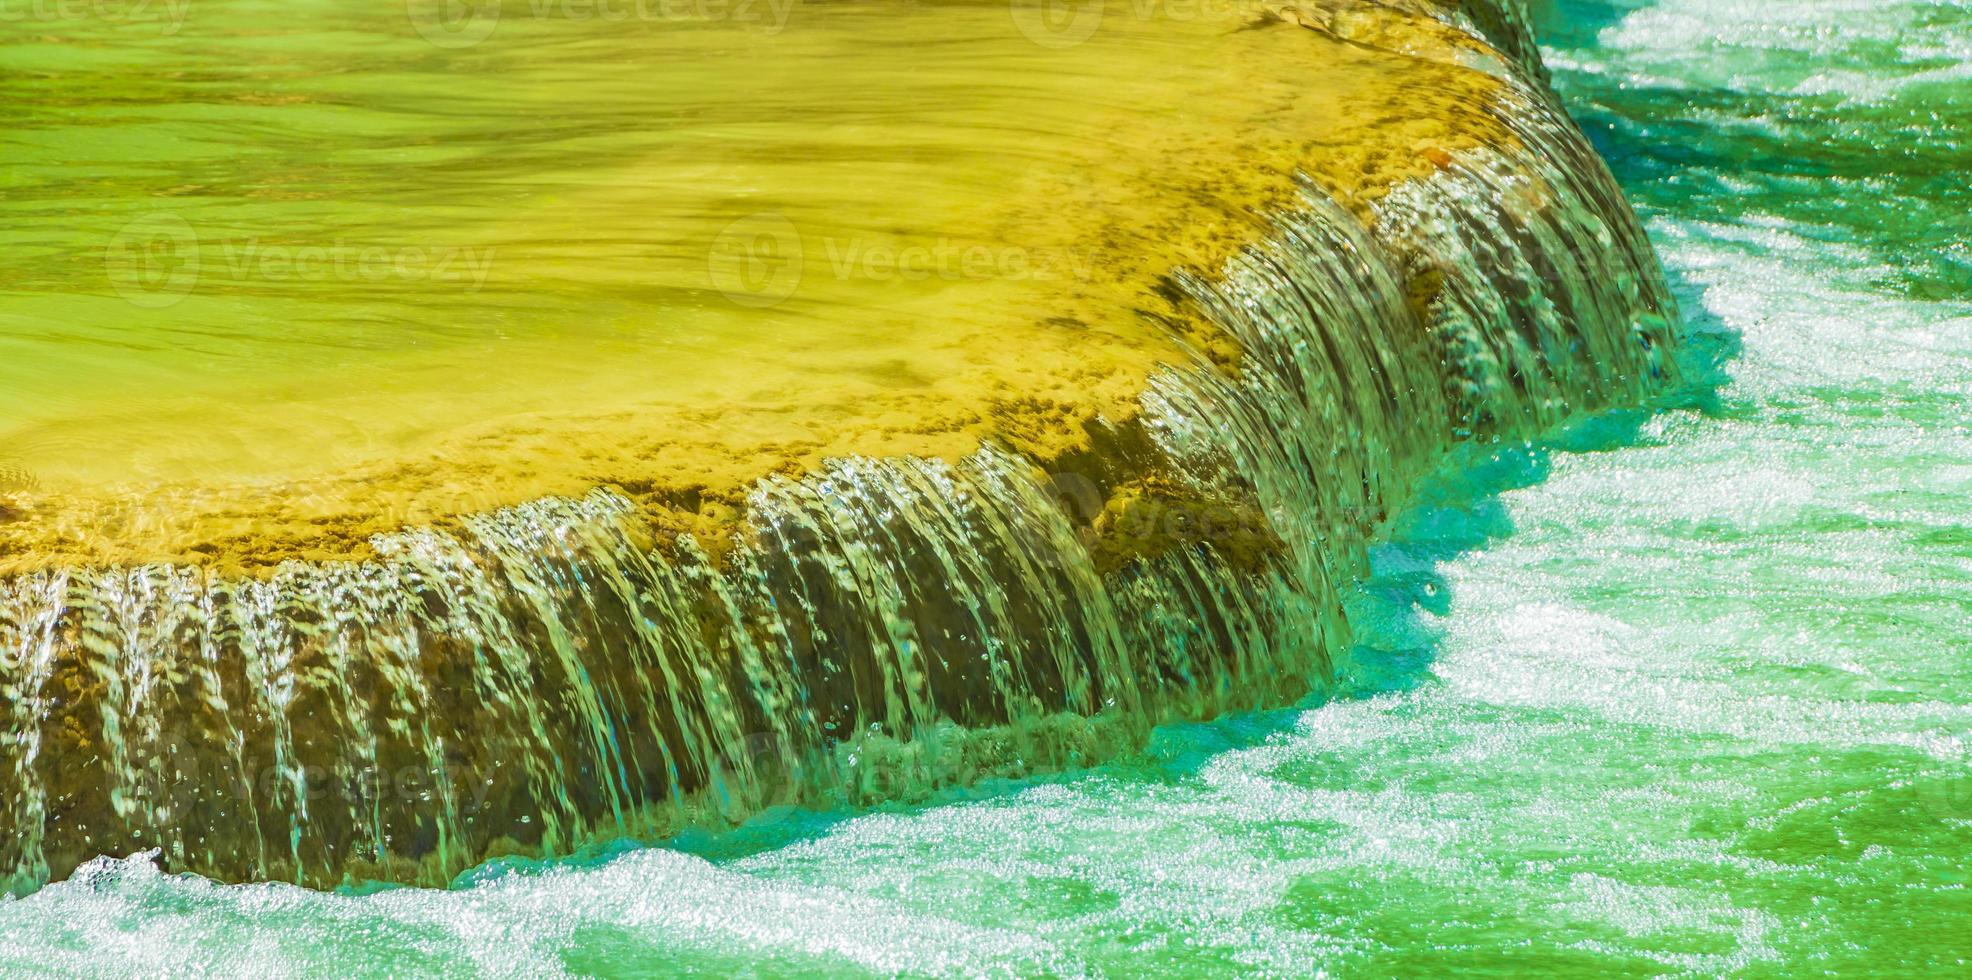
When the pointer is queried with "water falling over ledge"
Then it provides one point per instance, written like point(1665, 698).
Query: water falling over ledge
point(546, 676)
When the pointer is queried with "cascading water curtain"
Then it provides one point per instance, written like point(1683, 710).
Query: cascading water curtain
point(542, 677)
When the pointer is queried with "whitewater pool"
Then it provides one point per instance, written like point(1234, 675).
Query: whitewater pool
point(1684, 692)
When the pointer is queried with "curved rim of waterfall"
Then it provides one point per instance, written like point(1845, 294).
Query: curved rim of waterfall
point(544, 677)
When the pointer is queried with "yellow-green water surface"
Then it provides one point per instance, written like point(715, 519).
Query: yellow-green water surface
point(277, 277)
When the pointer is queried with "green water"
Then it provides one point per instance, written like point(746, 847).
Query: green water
point(1684, 693)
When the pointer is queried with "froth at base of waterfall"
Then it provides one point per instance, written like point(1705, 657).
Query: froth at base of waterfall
point(541, 678)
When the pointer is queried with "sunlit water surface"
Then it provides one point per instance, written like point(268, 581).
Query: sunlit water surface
point(1688, 693)
point(278, 277)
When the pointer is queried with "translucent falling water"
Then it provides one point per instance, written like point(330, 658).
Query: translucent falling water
point(1507, 24)
point(29, 659)
point(542, 678)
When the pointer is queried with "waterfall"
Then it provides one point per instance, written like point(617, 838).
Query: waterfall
point(541, 678)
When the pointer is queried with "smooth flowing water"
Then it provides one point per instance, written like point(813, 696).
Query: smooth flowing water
point(282, 276)
point(1681, 692)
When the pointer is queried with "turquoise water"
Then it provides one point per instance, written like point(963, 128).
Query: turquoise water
point(1676, 693)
